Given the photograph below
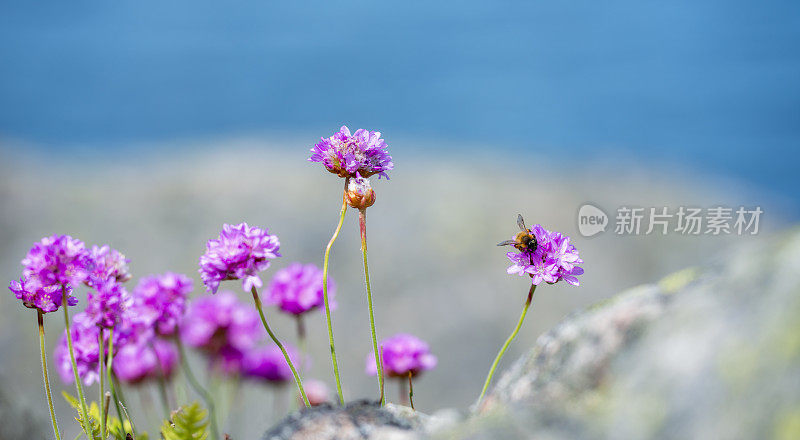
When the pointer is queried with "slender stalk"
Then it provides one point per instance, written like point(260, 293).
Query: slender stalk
point(198, 388)
point(383, 384)
point(162, 392)
point(278, 343)
point(505, 346)
point(40, 316)
point(106, 404)
point(101, 358)
point(403, 388)
point(121, 403)
point(127, 416)
point(162, 386)
point(362, 224)
point(325, 293)
point(301, 336)
point(84, 411)
point(109, 374)
point(410, 391)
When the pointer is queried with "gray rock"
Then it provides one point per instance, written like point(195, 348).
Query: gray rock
point(356, 420)
point(712, 353)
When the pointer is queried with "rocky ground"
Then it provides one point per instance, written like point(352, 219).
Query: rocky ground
point(707, 352)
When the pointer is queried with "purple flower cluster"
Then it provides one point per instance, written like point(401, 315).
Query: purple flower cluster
point(267, 363)
point(555, 259)
point(240, 252)
point(223, 328)
point(85, 336)
point(161, 299)
point(402, 354)
point(58, 259)
point(138, 362)
point(363, 153)
point(297, 289)
point(157, 309)
point(107, 302)
point(229, 333)
point(35, 295)
point(62, 262)
point(106, 263)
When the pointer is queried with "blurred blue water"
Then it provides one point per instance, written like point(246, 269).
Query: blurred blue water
point(710, 84)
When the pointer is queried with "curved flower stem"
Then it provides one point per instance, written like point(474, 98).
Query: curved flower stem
point(301, 335)
point(278, 343)
point(109, 374)
point(84, 411)
point(410, 391)
point(505, 346)
point(101, 359)
point(44, 374)
point(198, 388)
point(362, 226)
point(325, 294)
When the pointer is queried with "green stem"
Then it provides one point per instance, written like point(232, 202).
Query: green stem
point(84, 411)
point(278, 343)
point(162, 385)
point(362, 223)
point(410, 391)
point(198, 388)
point(44, 374)
point(101, 358)
point(301, 336)
point(325, 294)
point(109, 374)
point(505, 346)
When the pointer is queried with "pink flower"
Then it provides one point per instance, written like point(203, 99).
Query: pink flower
point(402, 354)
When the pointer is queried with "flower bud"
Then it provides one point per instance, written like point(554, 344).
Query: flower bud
point(359, 193)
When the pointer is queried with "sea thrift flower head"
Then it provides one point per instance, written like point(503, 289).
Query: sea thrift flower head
point(214, 322)
point(58, 259)
point(316, 391)
point(84, 333)
point(163, 298)
point(359, 193)
point(239, 253)
point(268, 364)
point(143, 361)
point(363, 152)
point(555, 259)
point(106, 303)
point(402, 354)
point(35, 295)
point(297, 289)
point(228, 361)
point(106, 263)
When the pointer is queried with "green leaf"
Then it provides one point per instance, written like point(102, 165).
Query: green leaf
point(72, 400)
point(94, 416)
point(188, 423)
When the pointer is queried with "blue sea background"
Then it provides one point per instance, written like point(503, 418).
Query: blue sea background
point(710, 87)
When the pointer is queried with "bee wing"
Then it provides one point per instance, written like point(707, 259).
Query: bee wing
point(507, 243)
point(521, 223)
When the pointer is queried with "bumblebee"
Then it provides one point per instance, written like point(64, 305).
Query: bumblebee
point(525, 240)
